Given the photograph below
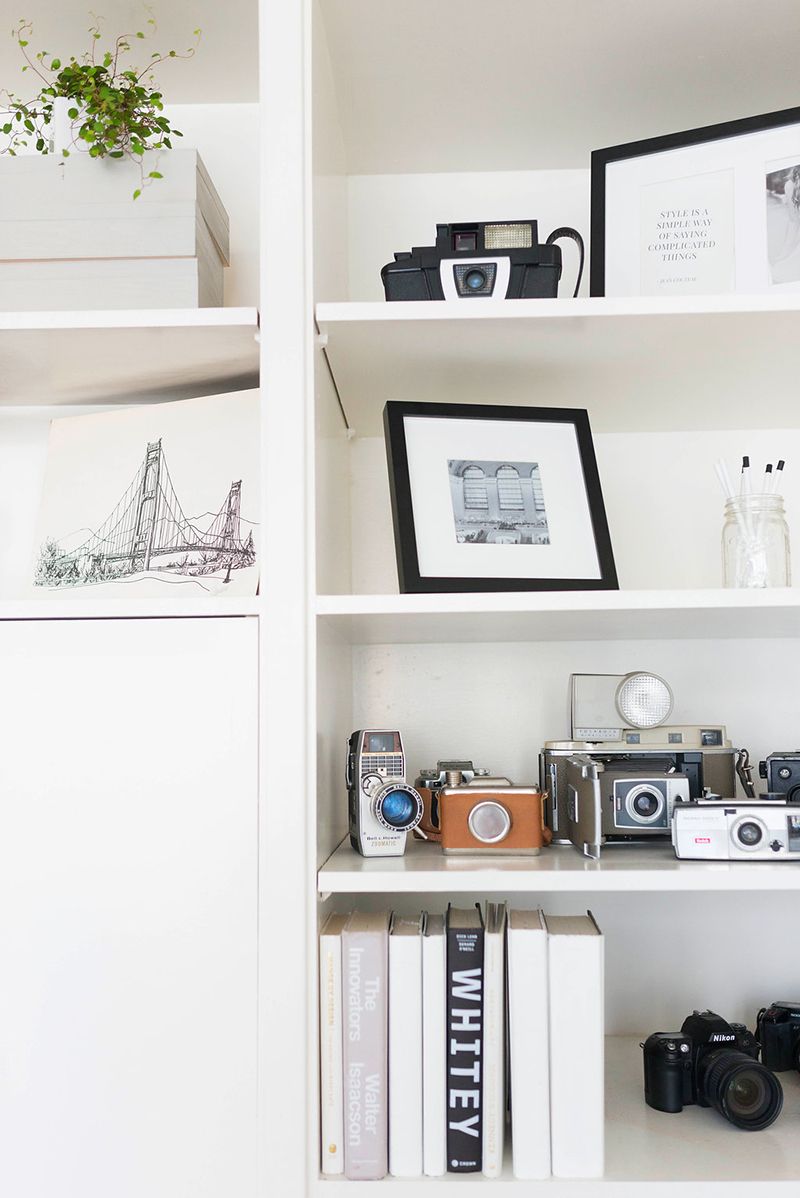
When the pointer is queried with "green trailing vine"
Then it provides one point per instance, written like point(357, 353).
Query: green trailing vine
point(116, 109)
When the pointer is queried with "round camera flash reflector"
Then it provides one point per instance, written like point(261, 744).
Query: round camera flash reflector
point(643, 700)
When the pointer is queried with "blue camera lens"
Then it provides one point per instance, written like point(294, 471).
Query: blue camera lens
point(399, 809)
point(475, 279)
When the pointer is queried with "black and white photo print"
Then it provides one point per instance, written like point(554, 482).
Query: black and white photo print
point(498, 503)
point(783, 223)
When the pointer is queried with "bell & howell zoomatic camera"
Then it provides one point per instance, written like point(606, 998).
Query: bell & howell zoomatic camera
point(383, 807)
point(711, 1063)
point(467, 810)
point(618, 721)
point(489, 261)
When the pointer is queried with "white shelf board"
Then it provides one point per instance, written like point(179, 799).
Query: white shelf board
point(126, 609)
point(637, 364)
point(125, 356)
point(693, 1153)
point(462, 86)
point(562, 615)
point(424, 869)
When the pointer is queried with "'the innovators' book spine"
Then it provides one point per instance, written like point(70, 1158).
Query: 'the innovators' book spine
point(464, 1047)
point(364, 984)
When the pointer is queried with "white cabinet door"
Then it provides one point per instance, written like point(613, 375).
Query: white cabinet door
point(128, 813)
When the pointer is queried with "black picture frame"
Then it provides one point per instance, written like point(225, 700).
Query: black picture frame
point(601, 159)
point(411, 581)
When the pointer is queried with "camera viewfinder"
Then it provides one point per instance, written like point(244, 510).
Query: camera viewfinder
point(465, 242)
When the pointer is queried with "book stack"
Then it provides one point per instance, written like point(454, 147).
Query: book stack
point(441, 1033)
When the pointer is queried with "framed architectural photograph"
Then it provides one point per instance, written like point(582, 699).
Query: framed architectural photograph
point(706, 212)
point(489, 498)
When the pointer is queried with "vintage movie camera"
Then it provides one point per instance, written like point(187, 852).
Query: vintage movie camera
point(643, 764)
point(778, 1029)
point(489, 261)
point(383, 808)
point(730, 830)
point(711, 1063)
point(467, 810)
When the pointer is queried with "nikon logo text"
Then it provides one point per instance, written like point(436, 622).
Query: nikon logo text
point(720, 1036)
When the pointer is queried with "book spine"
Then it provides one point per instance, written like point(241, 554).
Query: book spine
point(494, 1089)
point(364, 974)
point(434, 1055)
point(464, 1050)
point(529, 1053)
point(576, 1062)
point(405, 1056)
point(331, 1061)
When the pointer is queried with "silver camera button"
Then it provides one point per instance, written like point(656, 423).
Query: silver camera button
point(489, 822)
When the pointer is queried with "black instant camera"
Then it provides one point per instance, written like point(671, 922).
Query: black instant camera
point(488, 261)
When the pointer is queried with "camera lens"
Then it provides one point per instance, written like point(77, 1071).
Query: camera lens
point(398, 808)
point(746, 1093)
point(489, 822)
point(475, 279)
point(749, 833)
point(646, 804)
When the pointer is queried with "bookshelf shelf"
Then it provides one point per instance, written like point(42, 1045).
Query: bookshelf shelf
point(125, 609)
point(603, 354)
point(565, 615)
point(674, 1154)
point(560, 869)
point(122, 356)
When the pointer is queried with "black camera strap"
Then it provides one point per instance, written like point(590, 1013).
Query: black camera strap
point(575, 236)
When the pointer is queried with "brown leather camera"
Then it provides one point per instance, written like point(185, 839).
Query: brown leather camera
point(468, 811)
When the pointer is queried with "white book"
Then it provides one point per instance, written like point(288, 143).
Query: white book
point(494, 1041)
point(528, 1044)
point(575, 962)
point(434, 1047)
point(330, 1044)
point(405, 1047)
point(365, 965)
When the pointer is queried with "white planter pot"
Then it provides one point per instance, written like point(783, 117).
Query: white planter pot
point(64, 129)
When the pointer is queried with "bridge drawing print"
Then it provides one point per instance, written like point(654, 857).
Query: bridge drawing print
point(147, 538)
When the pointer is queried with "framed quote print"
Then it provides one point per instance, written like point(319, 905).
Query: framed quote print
point(706, 212)
point(489, 498)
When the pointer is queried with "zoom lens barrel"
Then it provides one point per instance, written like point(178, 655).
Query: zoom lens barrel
point(744, 1092)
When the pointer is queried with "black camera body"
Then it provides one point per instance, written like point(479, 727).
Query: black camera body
point(782, 772)
point(778, 1028)
point(711, 1063)
point(482, 260)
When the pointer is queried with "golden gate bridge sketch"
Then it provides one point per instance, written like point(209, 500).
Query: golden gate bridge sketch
point(148, 531)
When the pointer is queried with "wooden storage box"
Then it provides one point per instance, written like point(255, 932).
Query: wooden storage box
point(72, 236)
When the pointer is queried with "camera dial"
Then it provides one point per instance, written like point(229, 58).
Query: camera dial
point(489, 822)
point(749, 833)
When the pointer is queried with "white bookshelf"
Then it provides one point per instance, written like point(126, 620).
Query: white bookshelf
point(560, 869)
point(70, 607)
point(620, 359)
point(52, 358)
point(648, 1152)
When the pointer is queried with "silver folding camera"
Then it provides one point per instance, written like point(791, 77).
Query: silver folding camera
point(618, 721)
point(383, 808)
point(622, 802)
point(710, 830)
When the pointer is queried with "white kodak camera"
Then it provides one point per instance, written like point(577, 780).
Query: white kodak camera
point(726, 830)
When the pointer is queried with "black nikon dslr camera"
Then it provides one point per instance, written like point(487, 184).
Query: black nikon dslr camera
point(778, 1030)
point(497, 261)
point(711, 1063)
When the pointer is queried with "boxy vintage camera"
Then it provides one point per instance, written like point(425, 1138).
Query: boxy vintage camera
point(778, 1029)
point(782, 772)
point(731, 830)
point(487, 261)
point(467, 810)
point(622, 801)
point(382, 807)
point(618, 721)
point(711, 1063)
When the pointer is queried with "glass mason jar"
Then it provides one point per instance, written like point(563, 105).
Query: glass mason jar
point(755, 542)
